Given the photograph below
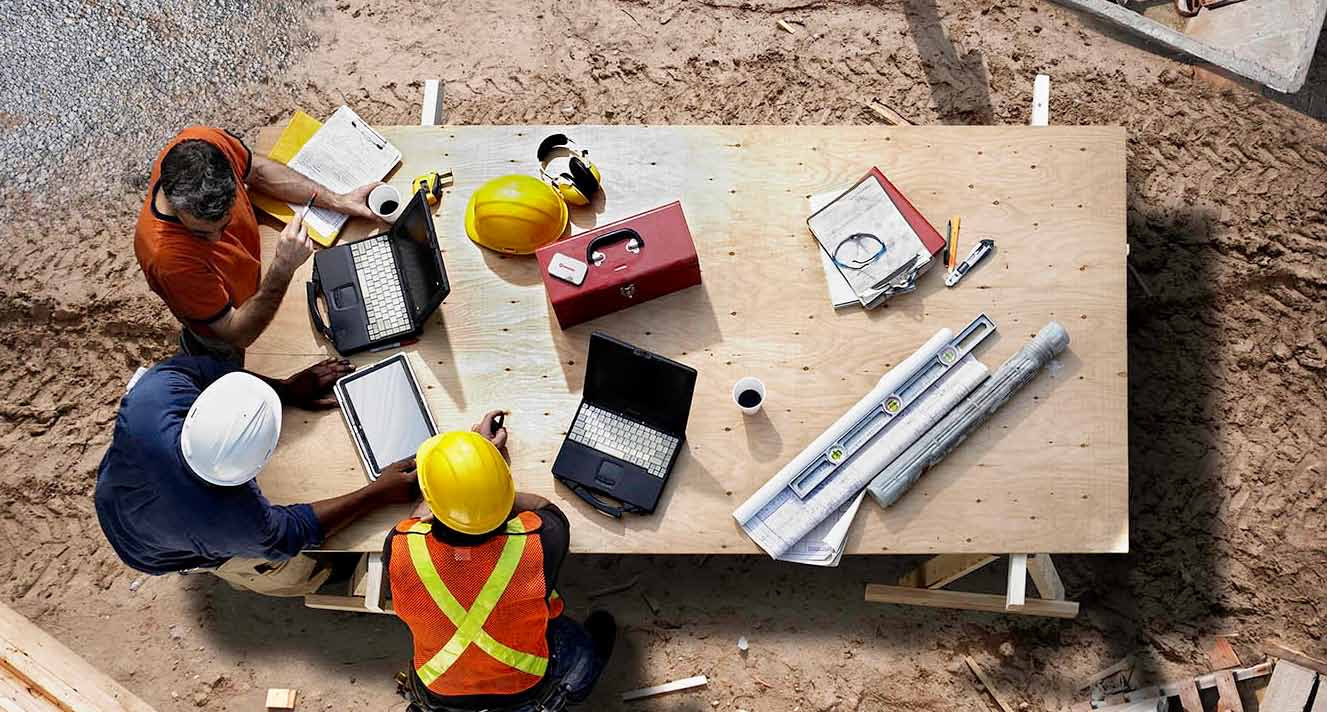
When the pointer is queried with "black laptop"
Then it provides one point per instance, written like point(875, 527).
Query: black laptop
point(380, 290)
point(629, 427)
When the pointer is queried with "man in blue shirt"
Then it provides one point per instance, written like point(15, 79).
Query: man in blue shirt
point(176, 488)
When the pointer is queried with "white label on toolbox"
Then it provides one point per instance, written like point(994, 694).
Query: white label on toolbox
point(567, 269)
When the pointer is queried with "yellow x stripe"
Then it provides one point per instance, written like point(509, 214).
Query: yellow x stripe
point(470, 624)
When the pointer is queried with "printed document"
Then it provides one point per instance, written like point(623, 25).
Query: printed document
point(343, 155)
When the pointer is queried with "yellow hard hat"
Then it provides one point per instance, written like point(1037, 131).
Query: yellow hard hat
point(515, 214)
point(465, 481)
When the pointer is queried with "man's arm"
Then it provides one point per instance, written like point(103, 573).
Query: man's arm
point(283, 183)
point(397, 484)
point(242, 326)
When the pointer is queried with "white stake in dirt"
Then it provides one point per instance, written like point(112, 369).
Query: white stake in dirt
point(1041, 100)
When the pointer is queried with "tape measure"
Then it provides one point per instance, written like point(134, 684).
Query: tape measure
point(432, 184)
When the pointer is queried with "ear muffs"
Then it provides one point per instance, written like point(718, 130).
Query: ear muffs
point(581, 181)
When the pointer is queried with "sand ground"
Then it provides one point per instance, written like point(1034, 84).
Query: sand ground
point(1227, 354)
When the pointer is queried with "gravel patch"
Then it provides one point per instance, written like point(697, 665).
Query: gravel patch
point(92, 89)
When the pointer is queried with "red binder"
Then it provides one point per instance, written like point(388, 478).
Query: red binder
point(928, 235)
point(639, 258)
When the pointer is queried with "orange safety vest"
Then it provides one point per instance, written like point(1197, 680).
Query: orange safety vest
point(478, 614)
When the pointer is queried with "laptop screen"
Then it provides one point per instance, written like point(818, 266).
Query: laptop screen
point(647, 386)
point(421, 264)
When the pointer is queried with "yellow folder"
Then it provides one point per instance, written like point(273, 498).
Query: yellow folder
point(301, 128)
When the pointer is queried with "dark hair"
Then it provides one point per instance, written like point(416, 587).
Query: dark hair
point(198, 180)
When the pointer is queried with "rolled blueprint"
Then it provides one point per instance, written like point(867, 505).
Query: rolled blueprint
point(932, 447)
point(776, 518)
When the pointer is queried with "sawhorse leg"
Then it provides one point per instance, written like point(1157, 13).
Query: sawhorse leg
point(922, 586)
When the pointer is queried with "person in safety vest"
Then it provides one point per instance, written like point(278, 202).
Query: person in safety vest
point(473, 576)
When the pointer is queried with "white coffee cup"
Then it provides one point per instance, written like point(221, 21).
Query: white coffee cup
point(385, 202)
point(749, 383)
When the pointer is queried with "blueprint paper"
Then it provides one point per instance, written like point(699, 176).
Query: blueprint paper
point(824, 545)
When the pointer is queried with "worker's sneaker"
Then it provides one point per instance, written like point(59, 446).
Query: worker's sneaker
point(603, 632)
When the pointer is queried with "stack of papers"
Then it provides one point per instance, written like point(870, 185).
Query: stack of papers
point(824, 545)
point(343, 155)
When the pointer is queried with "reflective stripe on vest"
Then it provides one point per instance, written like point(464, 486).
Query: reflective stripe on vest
point(470, 624)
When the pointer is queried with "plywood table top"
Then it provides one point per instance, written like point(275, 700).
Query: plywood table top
point(1049, 473)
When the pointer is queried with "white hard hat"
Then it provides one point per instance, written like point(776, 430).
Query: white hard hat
point(232, 429)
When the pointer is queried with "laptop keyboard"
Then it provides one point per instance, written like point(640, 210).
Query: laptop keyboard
point(610, 433)
point(380, 288)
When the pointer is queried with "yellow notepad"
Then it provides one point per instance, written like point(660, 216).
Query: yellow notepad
point(301, 128)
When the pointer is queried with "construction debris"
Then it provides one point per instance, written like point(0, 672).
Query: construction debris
point(888, 115)
point(674, 686)
point(1283, 652)
point(786, 27)
point(1222, 655)
point(281, 699)
point(986, 683)
point(615, 588)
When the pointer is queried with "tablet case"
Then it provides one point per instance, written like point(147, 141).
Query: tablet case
point(662, 260)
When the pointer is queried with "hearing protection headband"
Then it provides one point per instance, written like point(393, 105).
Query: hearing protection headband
point(581, 181)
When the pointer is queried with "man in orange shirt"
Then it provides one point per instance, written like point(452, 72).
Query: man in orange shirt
point(198, 244)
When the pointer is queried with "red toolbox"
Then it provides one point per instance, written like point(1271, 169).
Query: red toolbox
point(627, 262)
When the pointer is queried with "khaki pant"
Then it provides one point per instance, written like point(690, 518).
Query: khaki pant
point(298, 576)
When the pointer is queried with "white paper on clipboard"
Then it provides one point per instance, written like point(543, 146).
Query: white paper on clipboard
point(343, 155)
point(840, 292)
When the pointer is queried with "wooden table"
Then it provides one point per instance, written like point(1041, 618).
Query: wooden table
point(1048, 474)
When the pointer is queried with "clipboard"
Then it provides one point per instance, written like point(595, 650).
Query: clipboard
point(351, 133)
point(301, 128)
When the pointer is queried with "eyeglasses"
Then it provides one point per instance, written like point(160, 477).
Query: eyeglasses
point(869, 248)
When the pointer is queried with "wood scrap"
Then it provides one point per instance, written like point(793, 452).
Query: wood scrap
point(786, 27)
point(1122, 665)
point(1156, 704)
point(654, 608)
point(1229, 691)
point(281, 698)
point(1289, 688)
point(1222, 655)
point(1285, 652)
point(986, 683)
point(887, 114)
point(615, 588)
point(674, 686)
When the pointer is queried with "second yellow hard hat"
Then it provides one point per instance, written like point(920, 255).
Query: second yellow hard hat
point(465, 481)
point(515, 214)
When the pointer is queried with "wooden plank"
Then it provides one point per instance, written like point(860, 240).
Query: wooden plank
point(1057, 454)
point(16, 696)
point(1189, 698)
point(1320, 697)
point(38, 661)
point(1016, 593)
point(358, 586)
point(1155, 704)
point(348, 604)
point(991, 689)
point(1121, 665)
point(878, 593)
point(1222, 655)
point(374, 591)
point(1229, 700)
point(1285, 652)
point(667, 687)
point(1046, 578)
point(1289, 688)
point(940, 571)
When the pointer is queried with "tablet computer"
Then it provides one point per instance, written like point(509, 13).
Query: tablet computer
point(385, 410)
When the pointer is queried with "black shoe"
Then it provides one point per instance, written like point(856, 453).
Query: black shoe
point(603, 632)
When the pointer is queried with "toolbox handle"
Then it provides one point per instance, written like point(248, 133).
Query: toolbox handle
point(317, 319)
point(605, 240)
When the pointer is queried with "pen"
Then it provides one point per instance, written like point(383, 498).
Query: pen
point(308, 205)
point(496, 422)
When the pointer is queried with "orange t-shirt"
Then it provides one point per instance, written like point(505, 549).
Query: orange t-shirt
point(200, 280)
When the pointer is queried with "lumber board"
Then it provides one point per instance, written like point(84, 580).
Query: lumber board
point(1155, 704)
point(907, 595)
point(1045, 577)
point(31, 658)
point(1285, 652)
point(940, 571)
point(665, 688)
point(1016, 593)
point(1121, 665)
point(1221, 654)
point(986, 683)
point(1320, 697)
point(348, 604)
point(1289, 688)
point(1229, 698)
point(1190, 700)
point(1049, 473)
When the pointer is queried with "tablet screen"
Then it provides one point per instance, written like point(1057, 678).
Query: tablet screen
point(388, 410)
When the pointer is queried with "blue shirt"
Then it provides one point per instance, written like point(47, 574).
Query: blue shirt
point(161, 517)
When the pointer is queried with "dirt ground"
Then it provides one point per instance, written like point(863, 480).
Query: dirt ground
point(1227, 349)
